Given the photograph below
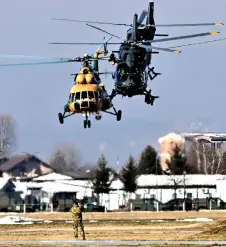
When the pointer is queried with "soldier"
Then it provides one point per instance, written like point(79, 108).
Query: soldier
point(76, 211)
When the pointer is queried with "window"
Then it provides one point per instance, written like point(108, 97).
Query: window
point(91, 95)
point(72, 97)
point(84, 95)
point(77, 96)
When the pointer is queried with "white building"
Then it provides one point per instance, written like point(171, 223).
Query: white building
point(160, 187)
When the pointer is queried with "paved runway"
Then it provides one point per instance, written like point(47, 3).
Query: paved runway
point(114, 242)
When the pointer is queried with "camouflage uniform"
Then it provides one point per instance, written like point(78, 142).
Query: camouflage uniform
point(76, 212)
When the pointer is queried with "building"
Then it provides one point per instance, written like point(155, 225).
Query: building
point(164, 188)
point(10, 199)
point(24, 166)
point(216, 140)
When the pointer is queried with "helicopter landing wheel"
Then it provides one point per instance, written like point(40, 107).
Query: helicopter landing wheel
point(85, 124)
point(119, 115)
point(61, 118)
point(89, 123)
point(148, 97)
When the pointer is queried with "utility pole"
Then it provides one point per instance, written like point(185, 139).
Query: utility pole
point(184, 173)
point(156, 175)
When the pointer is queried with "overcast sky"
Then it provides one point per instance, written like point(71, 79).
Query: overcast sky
point(192, 85)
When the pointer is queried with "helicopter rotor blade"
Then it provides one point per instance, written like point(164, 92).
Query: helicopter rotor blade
point(182, 37)
point(188, 25)
point(100, 46)
point(32, 57)
point(148, 48)
point(95, 22)
point(103, 31)
point(100, 73)
point(52, 62)
point(198, 43)
point(75, 43)
point(38, 63)
point(142, 16)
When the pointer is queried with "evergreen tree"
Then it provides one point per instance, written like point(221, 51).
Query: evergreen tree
point(149, 162)
point(129, 175)
point(178, 163)
point(102, 181)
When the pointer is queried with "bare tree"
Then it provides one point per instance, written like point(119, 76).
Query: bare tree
point(177, 180)
point(207, 160)
point(7, 134)
point(66, 158)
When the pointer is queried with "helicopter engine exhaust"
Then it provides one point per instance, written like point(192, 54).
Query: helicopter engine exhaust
point(168, 145)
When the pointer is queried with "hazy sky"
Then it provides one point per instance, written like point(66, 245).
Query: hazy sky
point(192, 85)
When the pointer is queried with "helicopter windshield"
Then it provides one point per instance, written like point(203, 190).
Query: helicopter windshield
point(77, 96)
point(84, 95)
point(91, 95)
point(74, 96)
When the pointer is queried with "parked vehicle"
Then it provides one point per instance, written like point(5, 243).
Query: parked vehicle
point(177, 204)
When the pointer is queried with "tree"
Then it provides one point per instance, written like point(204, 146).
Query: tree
point(149, 162)
point(177, 162)
point(66, 158)
point(177, 181)
point(129, 175)
point(206, 159)
point(7, 135)
point(102, 181)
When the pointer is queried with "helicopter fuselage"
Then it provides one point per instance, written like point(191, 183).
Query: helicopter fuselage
point(131, 74)
point(90, 98)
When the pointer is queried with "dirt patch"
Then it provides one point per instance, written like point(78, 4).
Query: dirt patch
point(162, 231)
point(216, 231)
point(124, 215)
point(72, 245)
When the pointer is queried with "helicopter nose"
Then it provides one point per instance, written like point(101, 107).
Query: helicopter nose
point(77, 106)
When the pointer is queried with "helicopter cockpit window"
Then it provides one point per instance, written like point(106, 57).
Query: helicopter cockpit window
point(77, 96)
point(72, 97)
point(84, 95)
point(91, 95)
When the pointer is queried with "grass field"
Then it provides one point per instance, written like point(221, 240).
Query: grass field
point(221, 214)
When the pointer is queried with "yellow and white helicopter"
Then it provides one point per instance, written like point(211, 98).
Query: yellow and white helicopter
point(88, 94)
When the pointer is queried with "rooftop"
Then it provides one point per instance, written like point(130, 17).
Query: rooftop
point(16, 160)
point(207, 136)
point(52, 177)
